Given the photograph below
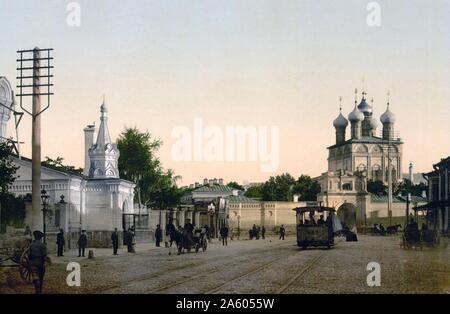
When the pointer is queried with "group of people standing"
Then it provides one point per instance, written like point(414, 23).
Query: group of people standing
point(128, 241)
point(61, 242)
point(256, 232)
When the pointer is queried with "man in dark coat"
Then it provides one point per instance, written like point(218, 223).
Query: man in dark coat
point(254, 230)
point(208, 233)
point(170, 229)
point(37, 256)
point(115, 241)
point(158, 235)
point(263, 232)
point(82, 243)
point(282, 232)
point(189, 227)
point(60, 242)
point(129, 240)
point(224, 235)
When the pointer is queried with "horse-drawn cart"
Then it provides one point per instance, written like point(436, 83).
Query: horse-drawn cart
point(188, 241)
point(17, 256)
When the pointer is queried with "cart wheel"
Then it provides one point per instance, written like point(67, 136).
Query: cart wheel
point(24, 267)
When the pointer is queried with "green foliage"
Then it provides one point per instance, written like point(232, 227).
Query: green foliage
point(283, 187)
point(279, 188)
point(138, 163)
point(254, 192)
point(57, 164)
point(12, 211)
point(376, 187)
point(7, 168)
point(306, 188)
point(406, 186)
point(235, 185)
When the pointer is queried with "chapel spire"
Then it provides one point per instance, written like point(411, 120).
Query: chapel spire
point(103, 154)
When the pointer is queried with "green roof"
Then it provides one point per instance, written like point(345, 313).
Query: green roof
point(214, 188)
point(239, 199)
point(396, 199)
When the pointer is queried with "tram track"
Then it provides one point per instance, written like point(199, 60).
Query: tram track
point(310, 264)
point(190, 279)
point(176, 269)
point(253, 271)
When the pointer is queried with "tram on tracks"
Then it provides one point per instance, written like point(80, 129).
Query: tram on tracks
point(316, 226)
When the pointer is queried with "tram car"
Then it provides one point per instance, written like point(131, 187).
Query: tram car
point(314, 231)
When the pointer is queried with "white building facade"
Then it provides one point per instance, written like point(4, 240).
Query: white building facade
point(97, 201)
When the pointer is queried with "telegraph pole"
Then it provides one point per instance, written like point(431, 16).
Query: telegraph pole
point(31, 67)
point(389, 184)
point(36, 217)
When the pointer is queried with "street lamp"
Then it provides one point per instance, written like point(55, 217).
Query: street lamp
point(211, 212)
point(408, 201)
point(45, 200)
point(239, 226)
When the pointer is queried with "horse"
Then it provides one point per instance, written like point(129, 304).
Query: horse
point(393, 229)
point(183, 240)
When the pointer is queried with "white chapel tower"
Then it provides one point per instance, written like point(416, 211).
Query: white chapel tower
point(103, 155)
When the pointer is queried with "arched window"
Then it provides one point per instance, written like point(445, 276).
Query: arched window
point(377, 174)
point(347, 186)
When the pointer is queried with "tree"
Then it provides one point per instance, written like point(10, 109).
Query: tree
point(7, 174)
point(279, 188)
point(406, 186)
point(57, 164)
point(376, 187)
point(254, 192)
point(138, 163)
point(7, 167)
point(306, 188)
point(235, 185)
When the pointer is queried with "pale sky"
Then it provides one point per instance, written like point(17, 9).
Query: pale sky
point(161, 64)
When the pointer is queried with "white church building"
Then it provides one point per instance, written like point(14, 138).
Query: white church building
point(363, 156)
point(97, 201)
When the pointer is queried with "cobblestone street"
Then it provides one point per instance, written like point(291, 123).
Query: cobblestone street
point(259, 266)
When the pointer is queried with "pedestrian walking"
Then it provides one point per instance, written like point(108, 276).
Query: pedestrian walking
point(158, 235)
point(263, 232)
point(37, 256)
point(208, 233)
point(60, 242)
point(282, 232)
point(115, 241)
point(170, 231)
point(82, 243)
point(224, 235)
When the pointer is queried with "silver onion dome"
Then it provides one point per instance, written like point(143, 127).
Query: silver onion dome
point(340, 122)
point(364, 107)
point(356, 115)
point(387, 116)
